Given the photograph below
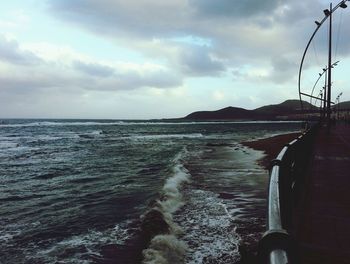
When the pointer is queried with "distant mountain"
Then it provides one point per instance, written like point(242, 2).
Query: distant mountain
point(289, 109)
point(225, 113)
point(343, 105)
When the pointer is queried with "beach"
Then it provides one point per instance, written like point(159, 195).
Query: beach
point(270, 146)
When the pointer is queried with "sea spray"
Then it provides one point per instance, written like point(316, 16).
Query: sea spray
point(165, 247)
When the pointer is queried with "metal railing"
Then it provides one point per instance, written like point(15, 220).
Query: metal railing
point(286, 175)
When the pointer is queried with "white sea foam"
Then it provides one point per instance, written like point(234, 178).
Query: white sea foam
point(171, 188)
point(91, 134)
point(5, 237)
point(97, 132)
point(8, 144)
point(209, 229)
point(90, 241)
point(165, 249)
point(273, 134)
point(168, 248)
point(163, 136)
point(54, 123)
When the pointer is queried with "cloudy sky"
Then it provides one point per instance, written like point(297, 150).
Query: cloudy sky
point(139, 59)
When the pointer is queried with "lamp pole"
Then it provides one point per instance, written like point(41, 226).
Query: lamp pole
point(325, 96)
point(329, 77)
point(328, 14)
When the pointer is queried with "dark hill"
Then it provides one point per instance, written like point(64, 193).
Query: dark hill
point(285, 110)
point(343, 105)
point(225, 113)
point(287, 107)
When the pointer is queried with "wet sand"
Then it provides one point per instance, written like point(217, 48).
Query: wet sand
point(270, 146)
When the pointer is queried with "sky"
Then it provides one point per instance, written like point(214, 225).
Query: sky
point(145, 59)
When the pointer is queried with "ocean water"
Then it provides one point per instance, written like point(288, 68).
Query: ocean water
point(105, 191)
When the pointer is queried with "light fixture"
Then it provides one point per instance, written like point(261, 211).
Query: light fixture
point(343, 5)
point(326, 12)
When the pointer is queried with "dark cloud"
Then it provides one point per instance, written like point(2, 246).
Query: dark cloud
point(107, 78)
point(147, 18)
point(197, 61)
point(228, 24)
point(234, 9)
point(283, 69)
point(10, 52)
point(93, 69)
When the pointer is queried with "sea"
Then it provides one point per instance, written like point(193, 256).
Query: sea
point(112, 191)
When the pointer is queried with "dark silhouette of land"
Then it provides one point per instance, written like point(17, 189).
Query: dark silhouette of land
point(288, 110)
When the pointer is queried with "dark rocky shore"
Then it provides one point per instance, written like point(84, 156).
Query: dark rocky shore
point(271, 146)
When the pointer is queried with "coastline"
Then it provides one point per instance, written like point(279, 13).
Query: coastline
point(270, 146)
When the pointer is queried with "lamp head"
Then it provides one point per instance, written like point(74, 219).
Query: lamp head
point(343, 5)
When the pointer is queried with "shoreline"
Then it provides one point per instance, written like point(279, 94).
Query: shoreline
point(271, 146)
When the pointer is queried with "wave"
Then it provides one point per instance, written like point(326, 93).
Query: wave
point(133, 123)
point(8, 145)
point(273, 134)
point(163, 136)
point(91, 134)
point(165, 249)
point(158, 225)
point(83, 248)
point(210, 227)
point(53, 123)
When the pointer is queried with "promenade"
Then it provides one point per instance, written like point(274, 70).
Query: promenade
point(322, 217)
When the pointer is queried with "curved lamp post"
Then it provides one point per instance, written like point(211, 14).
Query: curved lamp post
point(328, 14)
point(324, 70)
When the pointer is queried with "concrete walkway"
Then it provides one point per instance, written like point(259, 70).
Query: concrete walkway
point(323, 215)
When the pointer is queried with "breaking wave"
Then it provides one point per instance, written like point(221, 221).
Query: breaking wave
point(158, 225)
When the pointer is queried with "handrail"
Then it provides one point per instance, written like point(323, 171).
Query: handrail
point(277, 245)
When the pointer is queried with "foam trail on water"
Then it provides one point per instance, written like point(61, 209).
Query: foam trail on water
point(165, 246)
point(165, 249)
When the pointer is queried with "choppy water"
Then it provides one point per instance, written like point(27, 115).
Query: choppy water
point(94, 191)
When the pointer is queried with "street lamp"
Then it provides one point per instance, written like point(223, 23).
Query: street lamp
point(324, 72)
point(328, 14)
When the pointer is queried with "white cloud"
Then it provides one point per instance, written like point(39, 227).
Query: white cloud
point(47, 65)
